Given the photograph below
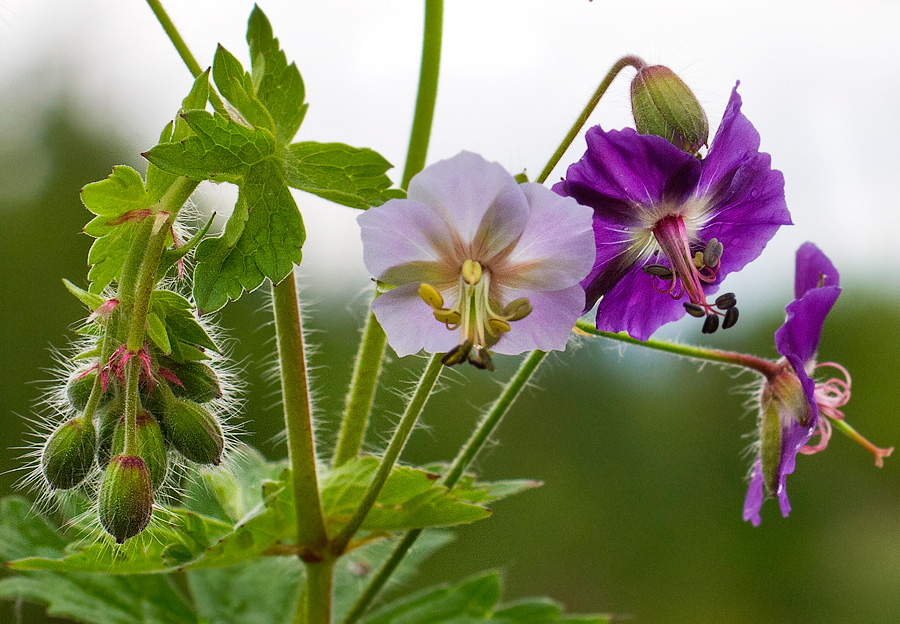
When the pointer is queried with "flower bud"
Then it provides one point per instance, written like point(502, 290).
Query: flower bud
point(664, 106)
point(194, 432)
point(69, 454)
point(199, 382)
point(783, 405)
point(126, 497)
point(150, 445)
point(108, 418)
point(79, 387)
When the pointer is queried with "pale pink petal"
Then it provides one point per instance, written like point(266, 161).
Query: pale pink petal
point(409, 323)
point(548, 326)
point(401, 232)
point(464, 189)
point(556, 249)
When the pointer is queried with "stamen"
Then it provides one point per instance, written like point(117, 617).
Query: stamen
point(471, 271)
point(431, 296)
point(831, 395)
point(691, 271)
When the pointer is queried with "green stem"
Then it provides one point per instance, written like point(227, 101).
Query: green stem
point(362, 392)
point(427, 95)
point(766, 368)
point(183, 51)
point(315, 603)
point(468, 453)
point(398, 441)
point(136, 285)
point(621, 64)
point(311, 534)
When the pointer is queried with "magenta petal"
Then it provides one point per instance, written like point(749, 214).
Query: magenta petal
point(463, 189)
point(754, 500)
point(409, 323)
point(747, 213)
point(548, 326)
point(814, 270)
point(801, 332)
point(623, 171)
point(635, 306)
point(735, 143)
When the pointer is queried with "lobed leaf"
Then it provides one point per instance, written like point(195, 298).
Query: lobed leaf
point(350, 176)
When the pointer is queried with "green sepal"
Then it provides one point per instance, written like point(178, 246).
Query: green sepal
point(173, 328)
point(126, 497)
point(150, 446)
point(170, 257)
point(91, 300)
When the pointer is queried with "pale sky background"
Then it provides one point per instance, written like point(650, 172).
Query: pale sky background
point(820, 81)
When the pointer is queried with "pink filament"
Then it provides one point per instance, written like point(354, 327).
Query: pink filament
point(685, 274)
point(830, 396)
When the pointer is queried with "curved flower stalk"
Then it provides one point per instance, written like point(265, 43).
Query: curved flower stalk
point(670, 227)
point(480, 263)
point(793, 406)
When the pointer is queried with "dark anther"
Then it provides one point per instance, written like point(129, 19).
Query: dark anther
point(713, 252)
point(711, 324)
point(658, 270)
point(731, 317)
point(479, 357)
point(695, 310)
point(457, 354)
point(726, 301)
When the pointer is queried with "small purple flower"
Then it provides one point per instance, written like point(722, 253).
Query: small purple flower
point(667, 224)
point(479, 262)
point(793, 407)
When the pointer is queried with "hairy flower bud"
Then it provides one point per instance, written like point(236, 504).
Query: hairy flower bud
point(150, 445)
point(194, 432)
point(79, 387)
point(69, 454)
point(126, 497)
point(665, 107)
point(783, 408)
point(199, 382)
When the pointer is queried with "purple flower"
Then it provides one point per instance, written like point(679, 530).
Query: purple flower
point(793, 407)
point(479, 262)
point(667, 224)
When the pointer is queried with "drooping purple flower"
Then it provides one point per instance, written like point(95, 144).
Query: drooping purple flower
point(669, 225)
point(793, 407)
point(479, 262)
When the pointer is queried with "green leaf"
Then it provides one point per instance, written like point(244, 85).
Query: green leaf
point(175, 327)
point(278, 85)
point(94, 598)
point(91, 300)
point(176, 537)
point(410, 499)
point(236, 86)
point(122, 192)
point(472, 601)
point(220, 148)
point(170, 257)
point(268, 235)
point(350, 176)
point(473, 598)
point(232, 595)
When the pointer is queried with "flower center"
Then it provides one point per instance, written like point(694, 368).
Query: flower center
point(688, 272)
point(477, 318)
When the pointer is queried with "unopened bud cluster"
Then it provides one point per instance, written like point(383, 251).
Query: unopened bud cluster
point(172, 418)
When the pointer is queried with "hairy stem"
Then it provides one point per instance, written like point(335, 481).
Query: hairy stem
point(362, 392)
point(315, 603)
point(398, 441)
point(427, 95)
point(136, 289)
point(311, 534)
point(468, 453)
point(766, 368)
point(622, 63)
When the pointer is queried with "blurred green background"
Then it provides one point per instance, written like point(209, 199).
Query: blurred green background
point(642, 454)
